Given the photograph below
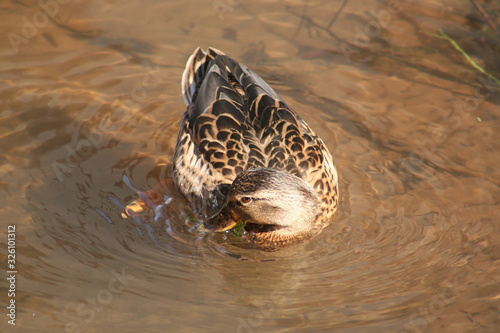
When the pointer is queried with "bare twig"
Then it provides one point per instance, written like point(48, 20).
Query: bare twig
point(485, 15)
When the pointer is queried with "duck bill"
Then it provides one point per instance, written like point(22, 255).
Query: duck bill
point(223, 221)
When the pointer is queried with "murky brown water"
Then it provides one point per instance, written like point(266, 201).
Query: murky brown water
point(90, 105)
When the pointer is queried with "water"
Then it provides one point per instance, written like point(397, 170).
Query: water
point(90, 105)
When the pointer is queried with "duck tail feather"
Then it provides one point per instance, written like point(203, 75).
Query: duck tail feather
point(195, 70)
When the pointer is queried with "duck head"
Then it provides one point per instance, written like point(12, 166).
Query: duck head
point(268, 201)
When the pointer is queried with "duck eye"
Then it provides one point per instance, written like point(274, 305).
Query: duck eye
point(246, 200)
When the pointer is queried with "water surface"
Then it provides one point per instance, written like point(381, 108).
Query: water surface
point(90, 105)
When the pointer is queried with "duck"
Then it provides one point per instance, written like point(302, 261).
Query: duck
point(244, 157)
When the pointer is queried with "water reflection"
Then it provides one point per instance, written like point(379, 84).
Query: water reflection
point(90, 107)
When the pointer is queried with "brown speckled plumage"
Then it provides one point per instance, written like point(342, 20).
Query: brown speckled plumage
point(234, 123)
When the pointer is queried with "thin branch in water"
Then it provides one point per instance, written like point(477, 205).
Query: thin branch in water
point(301, 21)
point(337, 15)
point(442, 35)
point(485, 15)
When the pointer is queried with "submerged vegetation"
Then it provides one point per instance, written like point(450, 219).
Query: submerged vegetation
point(442, 35)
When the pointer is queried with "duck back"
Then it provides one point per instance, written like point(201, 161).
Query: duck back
point(235, 121)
